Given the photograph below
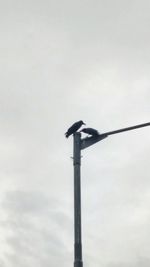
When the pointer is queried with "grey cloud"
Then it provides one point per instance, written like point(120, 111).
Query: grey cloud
point(141, 262)
point(60, 62)
point(22, 202)
point(34, 225)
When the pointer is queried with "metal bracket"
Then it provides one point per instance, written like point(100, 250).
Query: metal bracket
point(89, 141)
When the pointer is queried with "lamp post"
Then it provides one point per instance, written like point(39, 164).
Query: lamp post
point(80, 144)
point(77, 201)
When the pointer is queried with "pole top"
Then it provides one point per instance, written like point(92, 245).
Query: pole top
point(77, 134)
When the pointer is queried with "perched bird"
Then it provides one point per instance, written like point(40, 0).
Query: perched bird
point(90, 131)
point(74, 128)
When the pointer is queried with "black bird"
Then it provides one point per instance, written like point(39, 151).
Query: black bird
point(74, 128)
point(90, 131)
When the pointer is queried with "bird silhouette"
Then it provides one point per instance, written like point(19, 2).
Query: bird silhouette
point(74, 128)
point(90, 131)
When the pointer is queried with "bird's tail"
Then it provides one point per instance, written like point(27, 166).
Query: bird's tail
point(66, 134)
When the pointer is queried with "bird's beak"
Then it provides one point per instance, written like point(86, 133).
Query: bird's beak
point(84, 123)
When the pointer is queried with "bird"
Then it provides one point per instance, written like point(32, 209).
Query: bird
point(90, 131)
point(75, 127)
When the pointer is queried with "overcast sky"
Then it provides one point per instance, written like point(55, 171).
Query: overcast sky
point(62, 61)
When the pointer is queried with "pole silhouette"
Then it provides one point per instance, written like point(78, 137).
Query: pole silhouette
point(80, 144)
point(77, 201)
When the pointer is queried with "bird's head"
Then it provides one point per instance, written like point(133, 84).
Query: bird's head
point(82, 123)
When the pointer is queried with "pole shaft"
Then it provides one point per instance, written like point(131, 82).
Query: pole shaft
point(77, 202)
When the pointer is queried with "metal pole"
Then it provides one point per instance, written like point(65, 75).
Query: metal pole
point(128, 128)
point(77, 201)
point(89, 141)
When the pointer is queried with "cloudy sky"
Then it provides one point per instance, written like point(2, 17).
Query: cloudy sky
point(62, 61)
